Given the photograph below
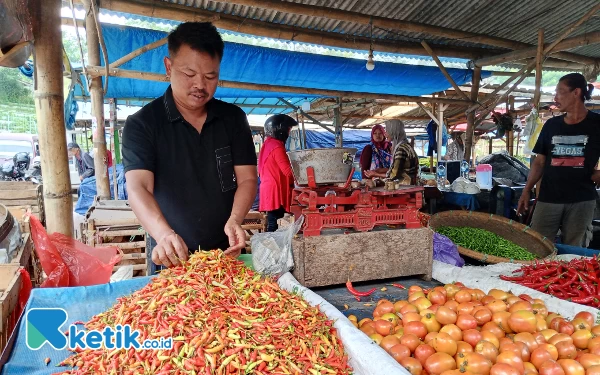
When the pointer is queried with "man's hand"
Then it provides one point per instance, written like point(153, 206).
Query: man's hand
point(523, 201)
point(596, 177)
point(237, 238)
point(169, 250)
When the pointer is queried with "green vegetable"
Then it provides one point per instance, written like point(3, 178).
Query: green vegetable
point(485, 242)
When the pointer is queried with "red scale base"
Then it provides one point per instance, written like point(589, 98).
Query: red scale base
point(361, 209)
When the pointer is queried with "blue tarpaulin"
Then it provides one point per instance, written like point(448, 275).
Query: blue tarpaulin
point(87, 189)
point(252, 64)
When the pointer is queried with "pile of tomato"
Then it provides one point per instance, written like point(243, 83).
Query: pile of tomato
point(454, 330)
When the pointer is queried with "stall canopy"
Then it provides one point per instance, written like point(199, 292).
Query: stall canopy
point(252, 64)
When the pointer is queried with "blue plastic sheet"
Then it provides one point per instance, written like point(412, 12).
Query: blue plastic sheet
point(87, 189)
point(81, 303)
point(469, 201)
point(444, 250)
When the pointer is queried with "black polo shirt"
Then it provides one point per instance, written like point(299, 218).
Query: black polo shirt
point(194, 181)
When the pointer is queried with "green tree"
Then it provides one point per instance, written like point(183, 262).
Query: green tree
point(15, 87)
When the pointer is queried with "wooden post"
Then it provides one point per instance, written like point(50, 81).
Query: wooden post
point(571, 28)
point(113, 125)
point(97, 99)
point(443, 69)
point(491, 146)
point(339, 137)
point(49, 105)
point(538, 69)
point(471, 115)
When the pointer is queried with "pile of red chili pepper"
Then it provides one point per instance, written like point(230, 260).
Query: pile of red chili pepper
point(576, 281)
point(223, 319)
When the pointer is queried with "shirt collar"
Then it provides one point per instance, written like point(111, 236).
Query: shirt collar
point(173, 113)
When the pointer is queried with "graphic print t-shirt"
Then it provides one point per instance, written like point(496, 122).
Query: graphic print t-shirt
point(572, 152)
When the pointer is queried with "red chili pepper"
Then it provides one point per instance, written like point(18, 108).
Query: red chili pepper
point(356, 292)
point(583, 299)
point(399, 286)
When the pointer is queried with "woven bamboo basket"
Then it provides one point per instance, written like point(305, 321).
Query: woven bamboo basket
point(513, 231)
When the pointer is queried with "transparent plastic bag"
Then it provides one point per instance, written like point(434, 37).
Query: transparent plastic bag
point(272, 251)
point(9, 247)
point(532, 131)
point(70, 263)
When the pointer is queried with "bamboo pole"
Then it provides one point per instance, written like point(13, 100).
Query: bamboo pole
point(571, 28)
point(443, 69)
point(13, 51)
point(577, 41)
point(49, 105)
point(132, 55)
point(97, 99)
point(538, 69)
point(398, 117)
point(471, 115)
point(431, 115)
point(97, 71)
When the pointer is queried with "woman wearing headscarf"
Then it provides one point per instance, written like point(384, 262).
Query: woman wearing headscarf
point(377, 155)
point(456, 149)
point(405, 161)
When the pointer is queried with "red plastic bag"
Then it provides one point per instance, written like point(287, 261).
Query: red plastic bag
point(67, 262)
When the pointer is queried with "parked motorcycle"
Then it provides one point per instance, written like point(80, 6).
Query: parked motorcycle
point(17, 169)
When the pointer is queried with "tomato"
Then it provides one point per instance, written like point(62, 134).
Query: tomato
point(411, 341)
point(452, 305)
point(454, 332)
point(539, 338)
point(566, 350)
point(587, 316)
point(399, 351)
point(408, 309)
point(540, 309)
point(540, 323)
point(463, 296)
point(482, 316)
point(487, 349)
point(444, 343)
point(540, 356)
point(593, 343)
point(363, 321)
point(416, 328)
point(424, 351)
point(511, 300)
point(558, 338)
point(385, 306)
point(548, 333)
point(588, 360)
point(410, 317)
point(414, 288)
point(399, 305)
point(503, 369)
point(493, 328)
point(526, 338)
point(472, 336)
point(498, 294)
point(551, 368)
point(430, 336)
point(465, 308)
point(594, 370)
point(501, 319)
point(507, 345)
point(415, 296)
point(551, 317)
point(422, 303)
point(434, 308)
point(524, 350)
point(596, 330)
point(392, 318)
point(477, 294)
point(445, 315)
point(466, 321)
point(580, 323)
point(475, 363)
point(512, 359)
point(488, 336)
point(431, 323)
point(530, 368)
point(388, 342)
point(555, 322)
point(463, 347)
point(497, 305)
point(438, 363)
point(487, 299)
point(550, 349)
point(451, 290)
point(376, 337)
point(581, 338)
point(436, 297)
point(411, 365)
point(566, 327)
point(520, 305)
point(522, 321)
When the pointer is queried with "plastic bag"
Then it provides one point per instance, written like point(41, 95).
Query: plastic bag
point(444, 250)
point(67, 262)
point(272, 251)
point(11, 244)
point(532, 131)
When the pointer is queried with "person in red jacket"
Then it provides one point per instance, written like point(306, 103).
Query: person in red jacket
point(275, 170)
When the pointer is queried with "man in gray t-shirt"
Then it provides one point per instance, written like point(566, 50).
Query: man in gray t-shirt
point(84, 161)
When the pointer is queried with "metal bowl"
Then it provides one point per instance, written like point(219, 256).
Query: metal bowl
point(331, 165)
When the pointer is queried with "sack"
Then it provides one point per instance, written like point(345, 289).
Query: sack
point(68, 262)
point(272, 251)
point(446, 251)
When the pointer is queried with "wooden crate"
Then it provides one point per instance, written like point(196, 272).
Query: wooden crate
point(254, 222)
point(20, 196)
point(331, 259)
point(113, 223)
point(10, 286)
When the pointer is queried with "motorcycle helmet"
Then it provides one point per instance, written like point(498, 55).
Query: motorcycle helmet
point(7, 168)
point(278, 126)
point(21, 161)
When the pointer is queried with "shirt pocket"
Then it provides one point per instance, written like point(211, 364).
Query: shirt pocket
point(225, 168)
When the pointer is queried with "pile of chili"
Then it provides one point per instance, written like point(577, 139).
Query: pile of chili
point(576, 281)
point(223, 319)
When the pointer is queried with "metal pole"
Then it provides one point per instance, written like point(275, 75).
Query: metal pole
point(113, 124)
point(339, 138)
point(440, 132)
point(97, 99)
point(49, 106)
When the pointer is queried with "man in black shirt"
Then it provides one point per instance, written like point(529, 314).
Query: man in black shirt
point(189, 158)
point(567, 151)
